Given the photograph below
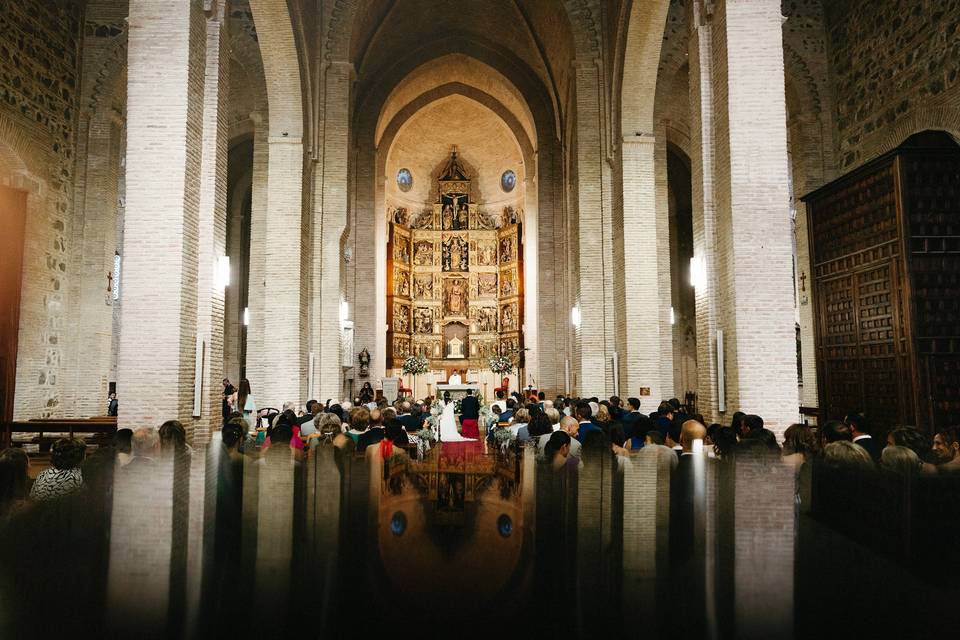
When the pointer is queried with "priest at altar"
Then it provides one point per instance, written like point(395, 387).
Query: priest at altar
point(455, 378)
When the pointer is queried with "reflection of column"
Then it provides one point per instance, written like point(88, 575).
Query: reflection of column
point(165, 95)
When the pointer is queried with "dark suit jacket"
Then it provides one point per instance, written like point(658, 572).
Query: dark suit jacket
point(873, 447)
point(469, 408)
point(369, 437)
point(410, 422)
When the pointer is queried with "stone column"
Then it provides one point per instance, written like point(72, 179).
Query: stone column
point(165, 81)
point(256, 283)
point(212, 231)
point(595, 337)
point(330, 219)
point(749, 265)
point(643, 363)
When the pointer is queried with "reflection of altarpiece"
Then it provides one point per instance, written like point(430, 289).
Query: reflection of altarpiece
point(455, 278)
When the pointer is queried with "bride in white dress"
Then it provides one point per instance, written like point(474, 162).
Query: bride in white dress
point(448, 426)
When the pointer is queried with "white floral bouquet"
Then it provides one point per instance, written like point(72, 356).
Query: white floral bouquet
point(427, 435)
point(501, 365)
point(415, 365)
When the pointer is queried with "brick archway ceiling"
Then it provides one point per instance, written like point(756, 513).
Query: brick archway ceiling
point(487, 147)
point(529, 42)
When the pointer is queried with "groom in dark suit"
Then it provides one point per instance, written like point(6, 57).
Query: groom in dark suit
point(469, 415)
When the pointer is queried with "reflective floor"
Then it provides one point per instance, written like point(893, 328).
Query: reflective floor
point(474, 542)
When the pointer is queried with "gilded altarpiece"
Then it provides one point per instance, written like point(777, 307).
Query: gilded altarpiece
point(454, 280)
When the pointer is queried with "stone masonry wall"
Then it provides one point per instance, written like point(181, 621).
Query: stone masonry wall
point(39, 69)
point(896, 70)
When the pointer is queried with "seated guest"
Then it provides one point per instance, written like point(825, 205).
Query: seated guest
point(617, 441)
point(556, 453)
point(585, 427)
point(834, 431)
point(507, 415)
point(799, 445)
point(846, 455)
point(946, 450)
point(360, 420)
point(554, 417)
point(664, 421)
point(857, 423)
point(653, 446)
point(900, 460)
point(145, 446)
point(569, 426)
point(918, 442)
point(122, 445)
point(406, 418)
point(357, 426)
point(14, 482)
point(736, 422)
point(750, 424)
point(637, 431)
point(173, 439)
point(603, 418)
point(65, 476)
point(539, 425)
point(520, 420)
point(725, 442)
point(630, 417)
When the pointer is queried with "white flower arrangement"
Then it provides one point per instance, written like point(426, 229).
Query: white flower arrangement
point(501, 365)
point(415, 365)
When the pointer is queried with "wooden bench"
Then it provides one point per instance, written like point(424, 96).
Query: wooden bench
point(102, 428)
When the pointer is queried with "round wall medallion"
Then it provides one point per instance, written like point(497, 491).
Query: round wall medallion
point(404, 180)
point(398, 523)
point(505, 525)
point(508, 180)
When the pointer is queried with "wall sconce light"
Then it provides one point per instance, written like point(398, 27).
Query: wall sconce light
point(246, 316)
point(223, 272)
point(344, 310)
point(698, 272)
point(575, 317)
point(673, 317)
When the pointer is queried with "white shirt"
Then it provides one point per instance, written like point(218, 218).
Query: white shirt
point(455, 379)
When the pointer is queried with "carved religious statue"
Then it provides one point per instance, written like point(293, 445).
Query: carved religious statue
point(456, 297)
point(455, 254)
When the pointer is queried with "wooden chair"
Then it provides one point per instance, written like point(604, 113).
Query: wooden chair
point(504, 386)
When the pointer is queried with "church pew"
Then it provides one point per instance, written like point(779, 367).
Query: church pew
point(102, 428)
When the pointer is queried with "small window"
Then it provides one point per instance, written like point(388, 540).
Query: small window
point(404, 180)
point(508, 180)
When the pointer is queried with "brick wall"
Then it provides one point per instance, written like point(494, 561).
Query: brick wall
point(895, 63)
point(39, 80)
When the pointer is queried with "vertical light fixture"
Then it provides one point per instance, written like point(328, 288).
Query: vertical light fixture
point(698, 272)
point(575, 317)
point(673, 317)
point(115, 285)
point(721, 377)
point(223, 272)
point(246, 316)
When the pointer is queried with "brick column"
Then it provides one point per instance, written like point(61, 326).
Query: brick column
point(256, 291)
point(749, 266)
point(330, 219)
point(274, 354)
point(594, 290)
point(165, 80)
point(643, 361)
point(704, 209)
point(531, 294)
point(212, 231)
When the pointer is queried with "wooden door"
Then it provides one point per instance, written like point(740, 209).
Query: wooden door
point(13, 208)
